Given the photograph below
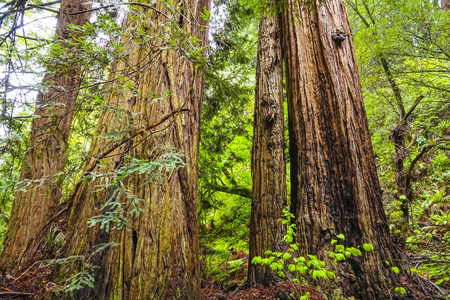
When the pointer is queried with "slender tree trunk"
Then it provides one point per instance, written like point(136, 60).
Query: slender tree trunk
point(397, 136)
point(157, 255)
point(335, 188)
point(268, 164)
point(48, 143)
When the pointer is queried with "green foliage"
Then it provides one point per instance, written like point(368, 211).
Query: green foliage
point(114, 213)
point(298, 266)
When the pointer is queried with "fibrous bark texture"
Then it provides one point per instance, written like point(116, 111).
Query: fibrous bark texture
point(335, 188)
point(50, 130)
point(445, 4)
point(268, 162)
point(156, 256)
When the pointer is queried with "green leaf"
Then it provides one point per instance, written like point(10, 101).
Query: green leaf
point(295, 280)
point(400, 290)
point(333, 241)
point(274, 266)
point(402, 197)
point(340, 256)
point(331, 255)
point(340, 248)
point(316, 264)
point(302, 268)
point(341, 236)
point(256, 260)
point(286, 256)
point(396, 270)
point(305, 296)
point(281, 274)
point(331, 275)
point(368, 247)
point(355, 252)
point(206, 14)
point(292, 268)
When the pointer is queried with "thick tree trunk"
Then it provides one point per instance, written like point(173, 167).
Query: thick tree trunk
point(47, 145)
point(334, 183)
point(268, 163)
point(157, 257)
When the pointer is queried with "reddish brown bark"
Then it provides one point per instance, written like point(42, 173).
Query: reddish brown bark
point(335, 188)
point(157, 257)
point(46, 155)
point(268, 162)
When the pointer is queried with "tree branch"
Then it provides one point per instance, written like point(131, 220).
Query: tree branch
point(425, 149)
point(235, 190)
point(40, 6)
point(413, 107)
point(138, 132)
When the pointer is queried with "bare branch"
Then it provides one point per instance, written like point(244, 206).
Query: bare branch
point(413, 107)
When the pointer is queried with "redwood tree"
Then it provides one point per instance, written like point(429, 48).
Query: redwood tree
point(145, 177)
point(268, 163)
point(50, 129)
point(335, 188)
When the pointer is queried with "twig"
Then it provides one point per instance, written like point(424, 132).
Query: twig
point(15, 294)
point(26, 271)
point(41, 6)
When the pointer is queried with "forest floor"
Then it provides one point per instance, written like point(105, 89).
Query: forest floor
point(34, 280)
point(282, 291)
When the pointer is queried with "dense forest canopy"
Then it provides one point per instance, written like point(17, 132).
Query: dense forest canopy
point(225, 149)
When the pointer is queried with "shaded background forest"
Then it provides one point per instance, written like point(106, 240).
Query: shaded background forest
point(403, 53)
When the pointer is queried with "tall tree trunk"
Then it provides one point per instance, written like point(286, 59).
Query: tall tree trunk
point(335, 188)
point(48, 142)
point(268, 163)
point(157, 256)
